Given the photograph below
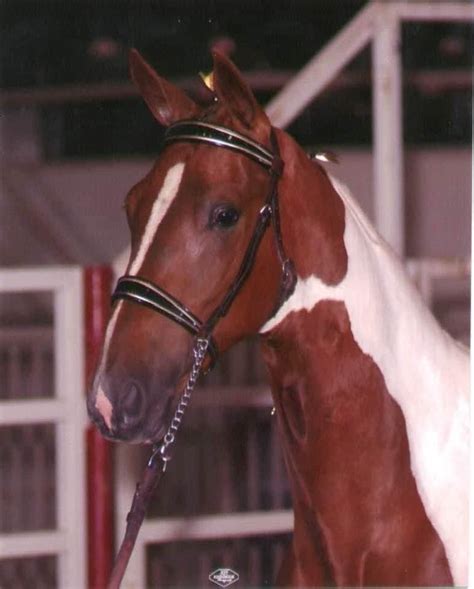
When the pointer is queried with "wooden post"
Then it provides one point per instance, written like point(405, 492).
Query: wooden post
point(100, 512)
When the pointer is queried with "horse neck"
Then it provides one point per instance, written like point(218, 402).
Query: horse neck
point(353, 264)
point(390, 320)
point(355, 365)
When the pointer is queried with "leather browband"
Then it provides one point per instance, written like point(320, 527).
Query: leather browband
point(220, 137)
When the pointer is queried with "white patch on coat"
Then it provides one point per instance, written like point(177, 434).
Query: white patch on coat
point(160, 207)
point(425, 371)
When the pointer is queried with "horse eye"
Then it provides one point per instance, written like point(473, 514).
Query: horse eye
point(224, 216)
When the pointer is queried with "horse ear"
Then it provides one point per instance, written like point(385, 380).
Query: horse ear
point(166, 101)
point(233, 91)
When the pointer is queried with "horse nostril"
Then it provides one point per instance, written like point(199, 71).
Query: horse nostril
point(133, 403)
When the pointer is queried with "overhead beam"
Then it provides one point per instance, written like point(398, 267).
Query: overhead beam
point(434, 11)
point(260, 80)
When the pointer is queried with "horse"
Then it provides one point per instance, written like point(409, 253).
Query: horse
point(371, 395)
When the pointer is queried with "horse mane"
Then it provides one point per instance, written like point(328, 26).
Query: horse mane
point(360, 217)
point(390, 260)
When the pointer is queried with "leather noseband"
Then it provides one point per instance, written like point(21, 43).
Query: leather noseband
point(138, 290)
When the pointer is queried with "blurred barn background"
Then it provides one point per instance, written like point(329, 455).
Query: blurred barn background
point(74, 137)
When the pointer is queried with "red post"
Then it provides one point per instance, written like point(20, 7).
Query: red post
point(100, 512)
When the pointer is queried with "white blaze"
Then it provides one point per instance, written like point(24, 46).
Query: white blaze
point(425, 371)
point(163, 201)
point(159, 209)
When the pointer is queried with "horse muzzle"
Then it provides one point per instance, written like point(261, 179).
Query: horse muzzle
point(130, 416)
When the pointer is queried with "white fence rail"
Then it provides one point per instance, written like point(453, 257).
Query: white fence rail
point(63, 412)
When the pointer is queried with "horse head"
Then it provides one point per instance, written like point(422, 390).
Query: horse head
point(191, 221)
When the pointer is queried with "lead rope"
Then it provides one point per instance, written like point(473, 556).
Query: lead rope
point(153, 474)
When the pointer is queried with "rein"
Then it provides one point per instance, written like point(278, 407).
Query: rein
point(143, 292)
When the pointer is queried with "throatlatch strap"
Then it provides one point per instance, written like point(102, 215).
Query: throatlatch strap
point(288, 281)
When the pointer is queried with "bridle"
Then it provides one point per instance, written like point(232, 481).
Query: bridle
point(143, 292)
point(146, 293)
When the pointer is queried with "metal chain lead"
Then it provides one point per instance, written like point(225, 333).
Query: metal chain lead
point(199, 353)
